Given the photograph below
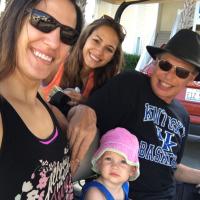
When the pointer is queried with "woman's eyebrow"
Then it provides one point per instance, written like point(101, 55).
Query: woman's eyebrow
point(101, 39)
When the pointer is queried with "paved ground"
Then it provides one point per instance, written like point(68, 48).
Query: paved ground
point(192, 154)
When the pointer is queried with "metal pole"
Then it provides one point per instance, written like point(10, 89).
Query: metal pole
point(123, 6)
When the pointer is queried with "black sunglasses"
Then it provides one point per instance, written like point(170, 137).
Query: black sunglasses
point(180, 71)
point(46, 23)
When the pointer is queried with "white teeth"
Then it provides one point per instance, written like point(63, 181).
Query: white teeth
point(94, 58)
point(42, 56)
point(165, 84)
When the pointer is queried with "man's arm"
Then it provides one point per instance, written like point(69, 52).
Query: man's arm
point(187, 174)
point(81, 132)
point(108, 104)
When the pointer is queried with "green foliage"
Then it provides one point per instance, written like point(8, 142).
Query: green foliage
point(131, 61)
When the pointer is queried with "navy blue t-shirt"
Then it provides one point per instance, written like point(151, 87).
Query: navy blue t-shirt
point(127, 100)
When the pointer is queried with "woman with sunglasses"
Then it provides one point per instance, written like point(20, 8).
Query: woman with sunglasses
point(96, 57)
point(147, 106)
point(35, 36)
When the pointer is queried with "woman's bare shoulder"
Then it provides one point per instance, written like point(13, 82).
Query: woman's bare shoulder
point(60, 117)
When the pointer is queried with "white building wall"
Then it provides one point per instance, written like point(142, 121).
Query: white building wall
point(141, 21)
point(168, 15)
point(105, 8)
point(138, 20)
point(2, 5)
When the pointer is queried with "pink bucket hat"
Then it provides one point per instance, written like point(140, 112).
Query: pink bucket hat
point(121, 141)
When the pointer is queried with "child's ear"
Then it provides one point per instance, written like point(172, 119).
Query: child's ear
point(98, 163)
point(133, 171)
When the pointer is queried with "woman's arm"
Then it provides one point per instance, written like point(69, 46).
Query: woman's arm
point(187, 174)
point(81, 131)
point(75, 96)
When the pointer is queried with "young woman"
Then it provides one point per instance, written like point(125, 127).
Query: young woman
point(96, 57)
point(35, 36)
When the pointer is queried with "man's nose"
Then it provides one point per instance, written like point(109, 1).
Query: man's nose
point(171, 73)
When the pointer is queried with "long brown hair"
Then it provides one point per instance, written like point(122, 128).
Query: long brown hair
point(74, 63)
point(11, 23)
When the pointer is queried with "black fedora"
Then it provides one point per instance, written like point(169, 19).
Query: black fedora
point(184, 45)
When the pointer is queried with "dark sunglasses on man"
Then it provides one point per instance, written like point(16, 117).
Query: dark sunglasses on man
point(46, 23)
point(167, 66)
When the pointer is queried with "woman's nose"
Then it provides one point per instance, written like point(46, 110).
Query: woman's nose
point(99, 50)
point(52, 39)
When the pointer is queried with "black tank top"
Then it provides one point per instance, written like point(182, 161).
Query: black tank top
point(30, 167)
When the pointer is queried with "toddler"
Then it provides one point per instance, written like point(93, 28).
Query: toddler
point(116, 162)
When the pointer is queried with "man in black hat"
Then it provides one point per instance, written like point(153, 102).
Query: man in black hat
point(146, 106)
